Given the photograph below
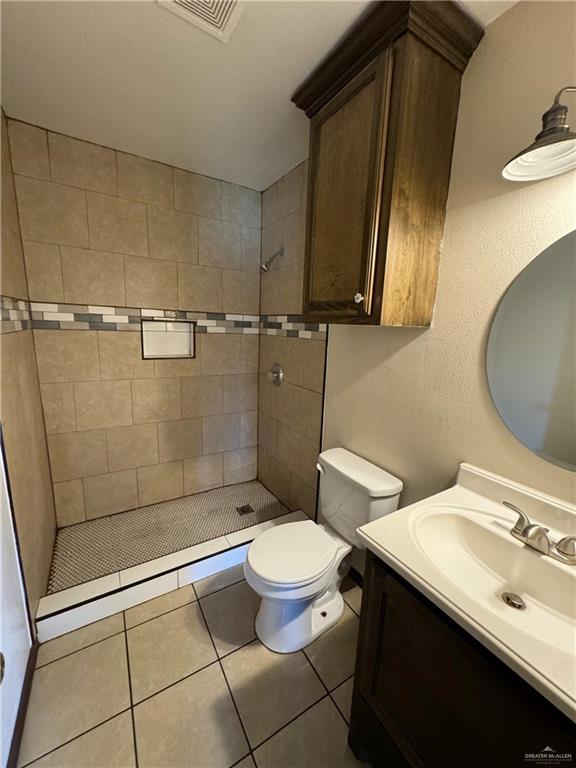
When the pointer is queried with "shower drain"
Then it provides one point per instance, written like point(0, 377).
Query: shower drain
point(245, 509)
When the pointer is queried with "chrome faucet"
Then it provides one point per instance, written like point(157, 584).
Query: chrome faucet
point(536, 537)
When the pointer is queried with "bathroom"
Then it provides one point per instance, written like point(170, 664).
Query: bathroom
point(279, 335)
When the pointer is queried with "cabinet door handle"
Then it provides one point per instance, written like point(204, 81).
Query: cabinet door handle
point(358, 299)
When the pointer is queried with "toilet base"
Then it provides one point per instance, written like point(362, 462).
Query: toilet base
point(285, 626)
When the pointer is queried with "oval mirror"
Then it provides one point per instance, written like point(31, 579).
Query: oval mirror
point(531, 357)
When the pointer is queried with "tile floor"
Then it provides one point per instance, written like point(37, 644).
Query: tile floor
point(181, 682)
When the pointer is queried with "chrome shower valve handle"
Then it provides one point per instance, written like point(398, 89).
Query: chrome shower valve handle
point(276, 375)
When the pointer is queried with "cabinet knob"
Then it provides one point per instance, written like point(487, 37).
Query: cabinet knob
point(358, 298)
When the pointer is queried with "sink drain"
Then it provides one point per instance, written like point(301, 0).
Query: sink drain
point(513, 600)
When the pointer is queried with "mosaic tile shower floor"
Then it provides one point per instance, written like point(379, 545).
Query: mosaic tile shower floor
point(106, 545)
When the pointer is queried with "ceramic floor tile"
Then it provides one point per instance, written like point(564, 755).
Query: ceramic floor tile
point(230, 615)
point(79, 638)
point(317, 739)
point(192, 723)
point(343, 697)
point(354, 598)
point(159, 605)
point(270, 688)
point(74, 694)
point(110, 745)
point(168, 648)
point(333, 654)
point(117, 602)
point(248, 762)
point(220, 580)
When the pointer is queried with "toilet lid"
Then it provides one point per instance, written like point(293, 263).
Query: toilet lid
point(293, 553)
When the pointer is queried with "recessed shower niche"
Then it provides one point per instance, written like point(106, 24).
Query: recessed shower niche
point(170, 339)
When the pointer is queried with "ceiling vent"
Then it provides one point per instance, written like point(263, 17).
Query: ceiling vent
point(216, 17)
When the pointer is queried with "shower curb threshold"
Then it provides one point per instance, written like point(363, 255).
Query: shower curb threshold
point(78, 606)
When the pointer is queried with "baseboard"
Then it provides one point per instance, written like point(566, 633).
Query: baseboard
point(23, 706)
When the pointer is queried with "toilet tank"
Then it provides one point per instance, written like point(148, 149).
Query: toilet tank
point(354, 492)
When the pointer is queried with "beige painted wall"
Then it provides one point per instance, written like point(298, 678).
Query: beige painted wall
point(416, 401)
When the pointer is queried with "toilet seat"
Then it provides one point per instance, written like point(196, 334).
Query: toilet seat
point(296, 568)
point(294, 554)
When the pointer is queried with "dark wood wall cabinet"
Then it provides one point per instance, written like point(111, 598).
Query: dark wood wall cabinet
point(427, 695)
point(383, 108)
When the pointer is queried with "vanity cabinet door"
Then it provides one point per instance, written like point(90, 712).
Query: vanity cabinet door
point(428, 695)
point(346, 164)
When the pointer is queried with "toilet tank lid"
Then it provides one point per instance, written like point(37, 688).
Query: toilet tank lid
point(374, 480)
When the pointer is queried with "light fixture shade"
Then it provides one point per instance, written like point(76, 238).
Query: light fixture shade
point(543, 159)
point(553, 151)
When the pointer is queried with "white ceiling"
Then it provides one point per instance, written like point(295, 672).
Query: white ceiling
point(131, 76)
point(486, 11)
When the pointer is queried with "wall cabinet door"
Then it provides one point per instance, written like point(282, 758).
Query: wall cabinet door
point(346, 157)
point(383, 109)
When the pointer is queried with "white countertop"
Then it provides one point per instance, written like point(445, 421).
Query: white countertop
point(427, 545)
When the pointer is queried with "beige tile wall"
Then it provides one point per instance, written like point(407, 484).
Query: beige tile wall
point(21, 411)
point(283, 224)
point(289, 416)
point(12, 272)
point(290, 419)
point(104, 227)
point(27, 460)
point(124, 432)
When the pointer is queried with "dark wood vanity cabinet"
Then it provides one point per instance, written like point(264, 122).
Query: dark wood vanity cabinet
point(383, 110)
point(428, 695)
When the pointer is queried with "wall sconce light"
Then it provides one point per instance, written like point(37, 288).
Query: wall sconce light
point(553, 151)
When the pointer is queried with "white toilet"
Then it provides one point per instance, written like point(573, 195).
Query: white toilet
point(297, 568)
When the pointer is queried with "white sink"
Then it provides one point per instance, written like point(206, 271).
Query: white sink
point(457, 549)
point(478, 554)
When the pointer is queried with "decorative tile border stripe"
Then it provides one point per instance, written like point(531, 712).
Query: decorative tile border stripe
point(14, 315)
point(99, 318)
point(18, 315)
point(317, 335)
point(293, 326)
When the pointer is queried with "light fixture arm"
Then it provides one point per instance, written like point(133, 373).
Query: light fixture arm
point(555, 119)
point(563, 90)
